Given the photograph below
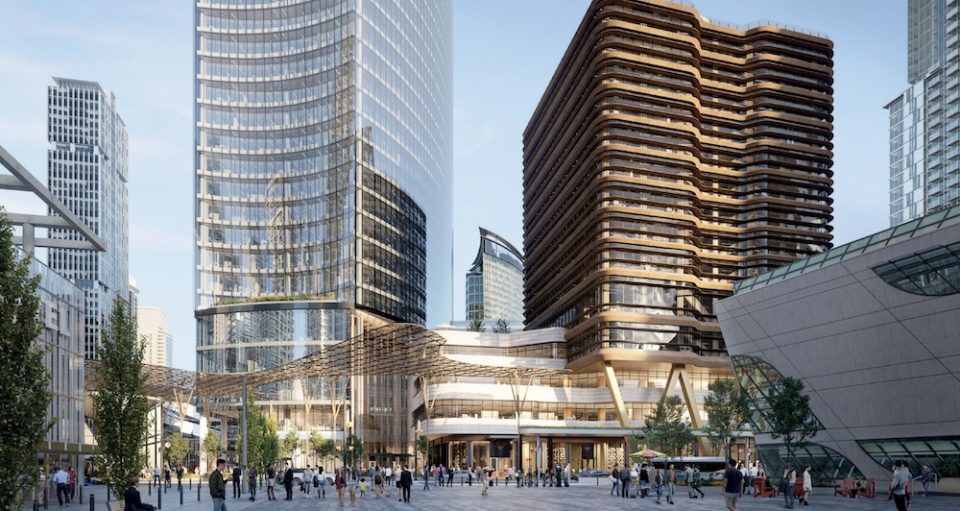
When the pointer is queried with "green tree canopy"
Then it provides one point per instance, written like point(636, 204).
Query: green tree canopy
point(665, 430)
point(178, 450)
point(271, 442)
point(211, 446)
point(289, 445)
point(255, 432)
point(24, 385)
point(353, 450)
point(790, 418)
point(119, 403)
point(727, 412)
point(502, 327)
point(322, 448)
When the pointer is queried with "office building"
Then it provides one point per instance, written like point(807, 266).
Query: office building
point(924, 154)
point(88, 171)
point(495, 282)
point(323, 182)
point(870, 328)
point(669, 157)
point(158, 342)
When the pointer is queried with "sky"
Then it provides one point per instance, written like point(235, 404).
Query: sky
point(505, 52)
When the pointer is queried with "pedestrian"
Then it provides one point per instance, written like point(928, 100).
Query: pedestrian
point(252, 481)
point(671, 483)
point(696, 481)
point(72, 482)
point(236, 479)
point(156, 475)
point(615, 479)
point(644, 478)
point(807, 486)
point(926, 477)
point(131, 497)
point(688, 477)
point(288, 481)
point(625, 481)
point(450, 476)
point(363, 488)
point(340, 483)
point(307, 480)
point(406, 481)
point(469, 476)
point(271, 479)
point(658, 482)
point(61, 479)
point(566, 475)
point(396, 472)
point(179, 475)
point(352, 488)
point(320, 482)
point(218, 487)
point(732, 485)
point(482, 475)
point(789, 485)
point(440, 475)
point(426, 478)
point(166, 476)
point(378, 483)
point(899, 485)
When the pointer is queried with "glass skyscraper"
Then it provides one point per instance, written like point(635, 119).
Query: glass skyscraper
point(495, 281)
point(924, 154)
point(323, 180)
point(87, 169)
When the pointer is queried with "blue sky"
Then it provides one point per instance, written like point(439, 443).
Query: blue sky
point(505, 52)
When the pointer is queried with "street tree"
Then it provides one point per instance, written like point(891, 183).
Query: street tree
point(476, 325)
point(353, 450)
point(502, 327)
point(271, 442)
point(665, 430)
point(119, 402)
point(423, 447)
point(211, 446)
point(727, 411)
point(289, 446)
point(323, 449)
point(255, 426)
point(790, 418)
point(178, 450)
point(24, 386)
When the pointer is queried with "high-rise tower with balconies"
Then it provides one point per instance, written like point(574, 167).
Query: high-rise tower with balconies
point(669, 157)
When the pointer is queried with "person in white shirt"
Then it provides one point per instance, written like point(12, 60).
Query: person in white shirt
point(751, 476)
point(807, 486)
point(61, 478)
point(898, 485)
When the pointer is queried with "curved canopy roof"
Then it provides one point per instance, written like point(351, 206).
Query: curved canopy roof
point(395, 349)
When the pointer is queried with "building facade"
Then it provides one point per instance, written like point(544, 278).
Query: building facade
point(88, 172)
point(670, 157)
point(924, 158)
point(495, 281)
point(870, 329)
point(323, 180)
point(152, 328)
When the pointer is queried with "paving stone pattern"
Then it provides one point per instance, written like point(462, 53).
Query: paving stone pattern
point(583, 496)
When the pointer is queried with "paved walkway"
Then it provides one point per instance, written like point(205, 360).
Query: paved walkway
point(586, 497)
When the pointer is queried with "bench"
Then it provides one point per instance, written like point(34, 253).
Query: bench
point(844, 489)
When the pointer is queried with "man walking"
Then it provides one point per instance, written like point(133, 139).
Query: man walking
point(218, 487)
point(406, 481)
point(898, 485)
point(790, 476)
point(237, 484)
point(426, 478)
point(696, 481)
point(732, 485)
point(288, 480)
point(61, 478)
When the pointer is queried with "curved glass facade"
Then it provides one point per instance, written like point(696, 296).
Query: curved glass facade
point(934, 272)
point(495, 281)
point(942, 454)
point(297, 101)
point(758, 379)
point(323, 182)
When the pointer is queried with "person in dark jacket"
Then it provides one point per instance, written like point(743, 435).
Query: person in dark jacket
point(218, 488)
point(406, 481)
point(288, 481)
point(237, 485)
point(131, 498)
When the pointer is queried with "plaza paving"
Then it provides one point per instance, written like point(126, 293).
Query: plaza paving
point(586, 496)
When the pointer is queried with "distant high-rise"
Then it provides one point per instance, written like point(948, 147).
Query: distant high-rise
point(924, 156)
point(152, 328)
point(87, 171)
point(669, 157)
point(495, 281)
point(323, 186)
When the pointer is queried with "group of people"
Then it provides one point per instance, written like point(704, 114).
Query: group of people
point(66, 485)
point(662, 480)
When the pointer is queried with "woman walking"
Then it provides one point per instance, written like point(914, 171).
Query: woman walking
point(340, 483)
point(807, 486)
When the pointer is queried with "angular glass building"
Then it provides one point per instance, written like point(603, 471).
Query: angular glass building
point(495, 281)
point(924, 159)
point(87, 169)
point(323, 181)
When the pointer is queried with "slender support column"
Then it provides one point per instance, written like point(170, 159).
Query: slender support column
point(243, 427)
